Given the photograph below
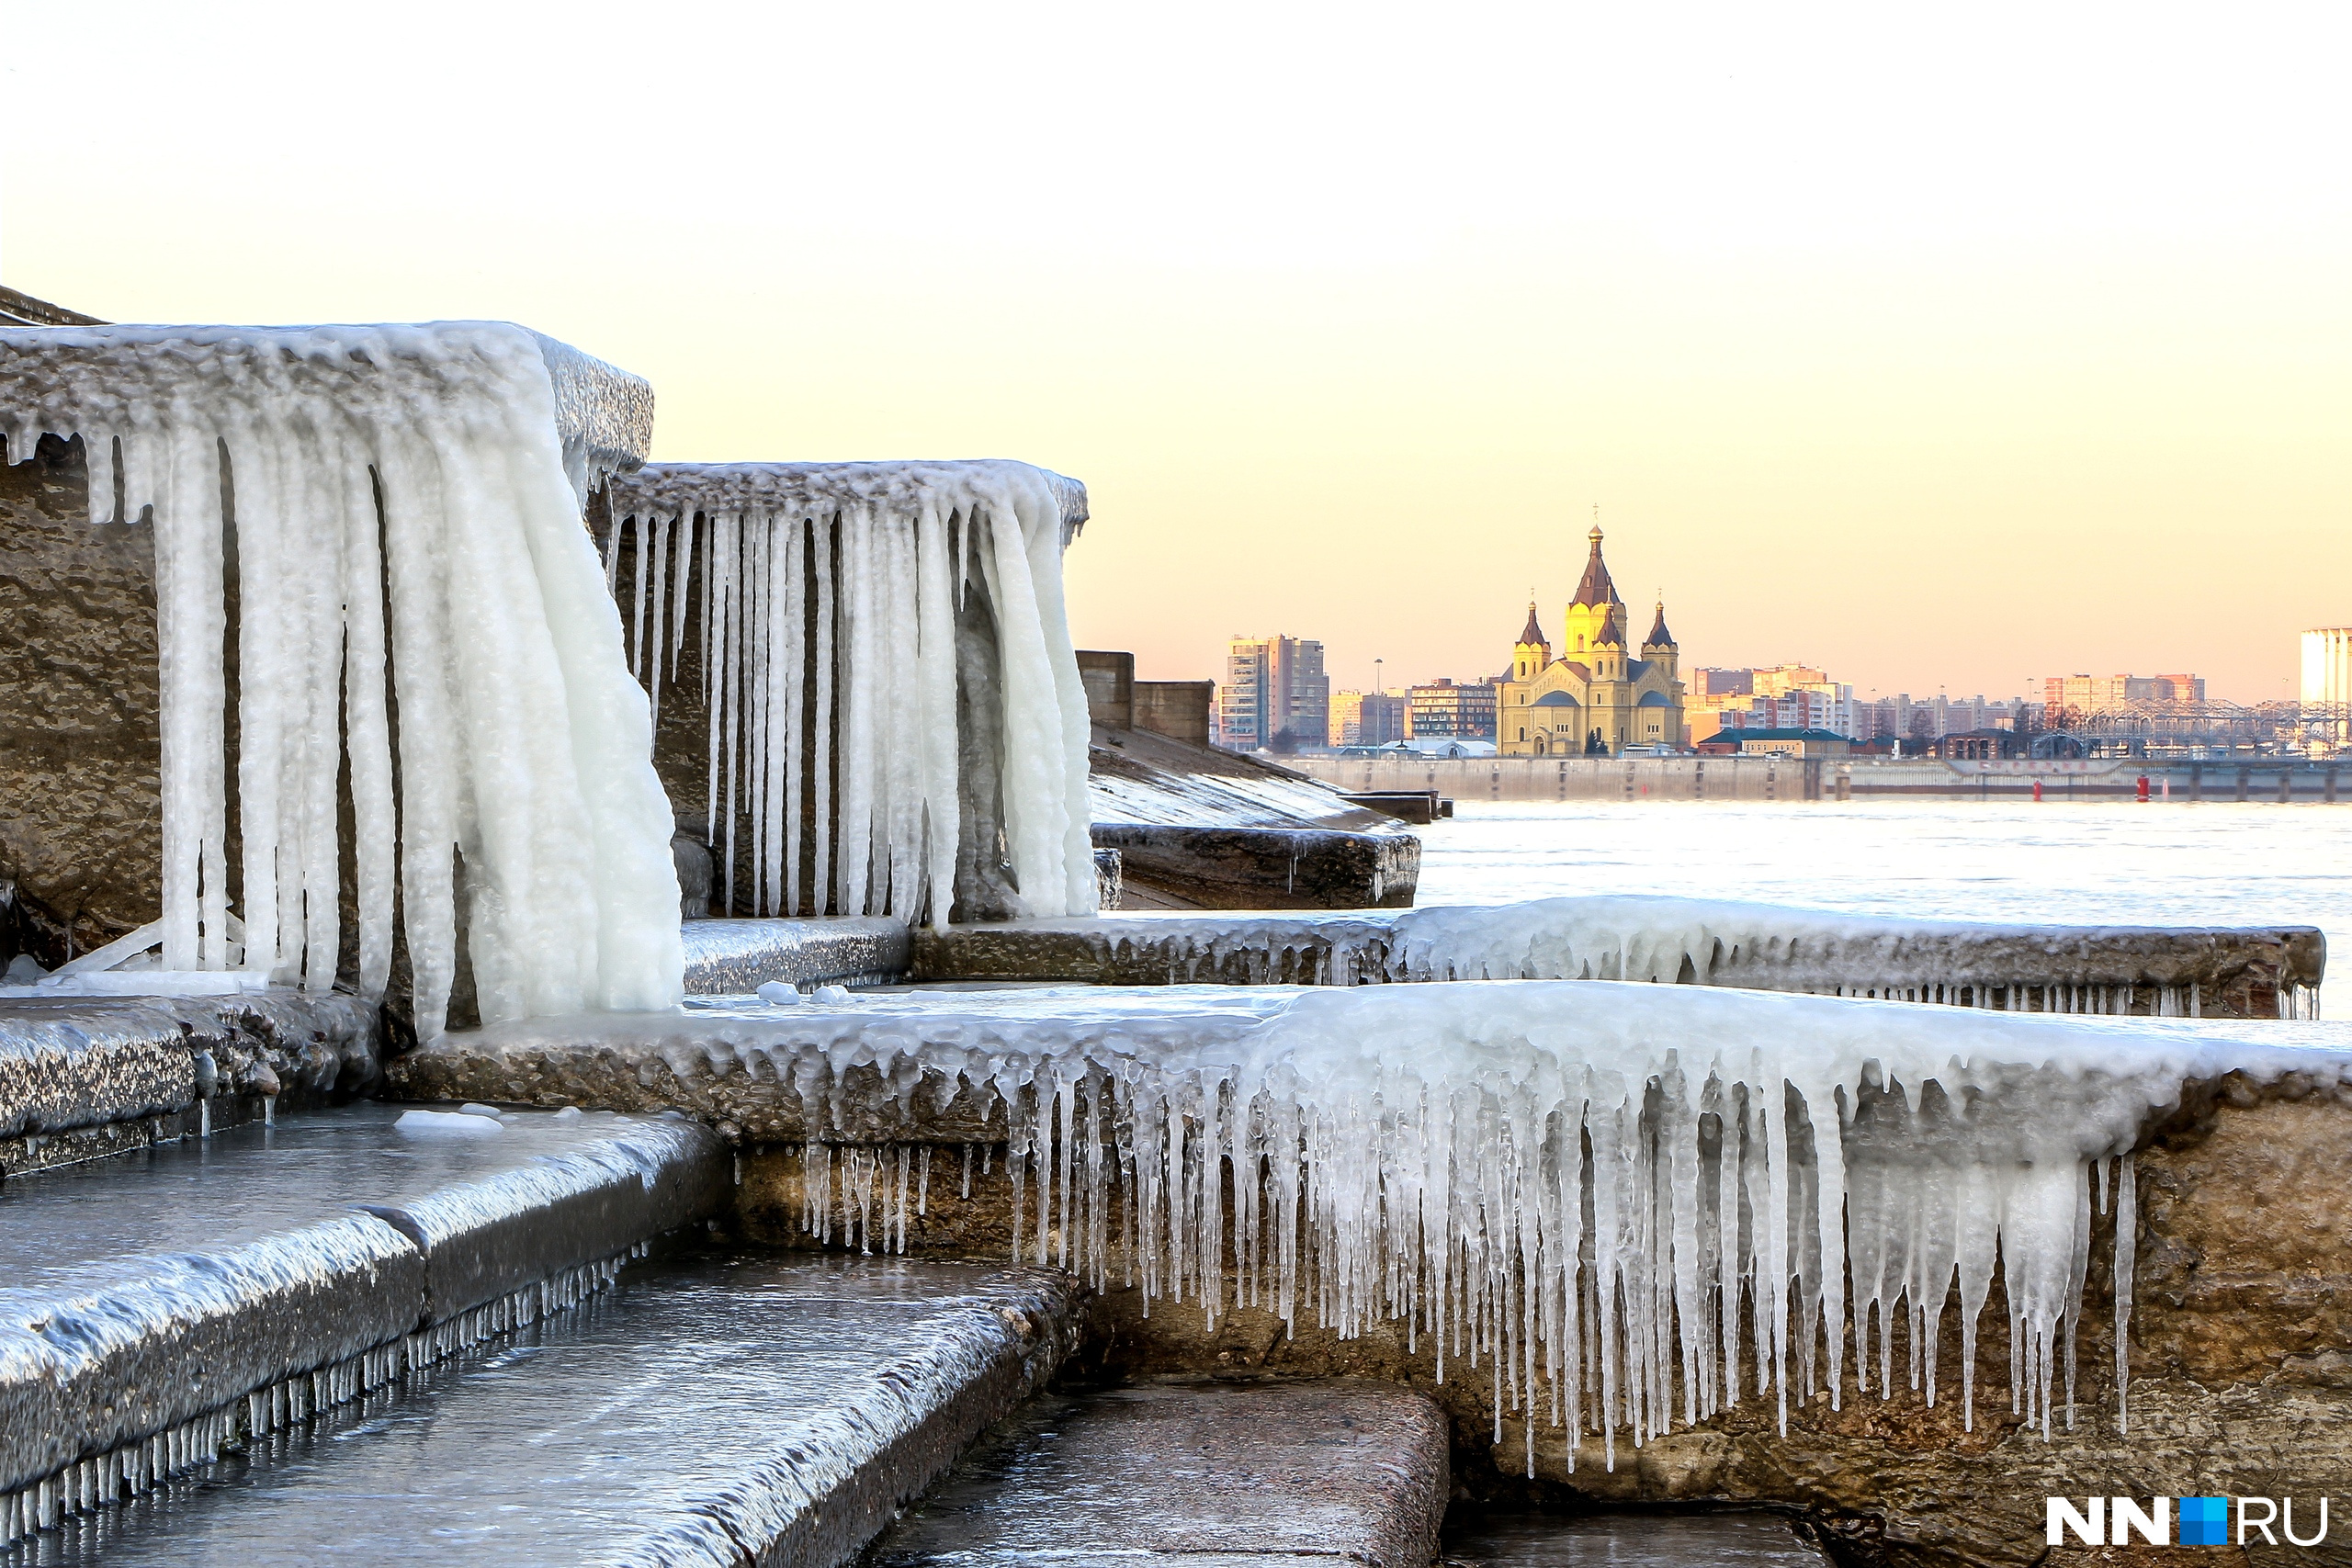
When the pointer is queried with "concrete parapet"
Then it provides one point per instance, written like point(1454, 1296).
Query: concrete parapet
point(1261, 868)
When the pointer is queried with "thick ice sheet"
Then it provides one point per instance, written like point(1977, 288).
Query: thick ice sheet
point(806, 570)
point(694, 1412)
point(406, 533)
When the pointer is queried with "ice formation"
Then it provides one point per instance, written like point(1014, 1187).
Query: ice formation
point(402, 506)
point(2147, 970)
point(1638, 1204)
point(825, 598)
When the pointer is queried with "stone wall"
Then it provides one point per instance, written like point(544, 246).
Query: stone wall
point(81, 831)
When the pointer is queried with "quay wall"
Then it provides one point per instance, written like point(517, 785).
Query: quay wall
point(1637, 779)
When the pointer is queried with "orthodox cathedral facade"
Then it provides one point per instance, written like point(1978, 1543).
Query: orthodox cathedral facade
point(1595, 697)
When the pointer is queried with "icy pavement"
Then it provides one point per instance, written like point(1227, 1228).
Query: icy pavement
point(82, 1075)
point(705, 1411)
point(1200, 1475)
point(157, 1289)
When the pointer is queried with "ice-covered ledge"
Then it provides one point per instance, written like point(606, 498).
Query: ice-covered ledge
point(738, 956)
point(87, 380)
point(2254, 971)
point(1433, 1134)
point(964, 484)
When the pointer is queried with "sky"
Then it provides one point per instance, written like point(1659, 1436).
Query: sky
point(1944, 348)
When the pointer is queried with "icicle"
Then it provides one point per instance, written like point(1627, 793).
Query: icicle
point(890, 549)
point(413, 470)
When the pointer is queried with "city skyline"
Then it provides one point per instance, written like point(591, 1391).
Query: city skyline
point(1939, 354)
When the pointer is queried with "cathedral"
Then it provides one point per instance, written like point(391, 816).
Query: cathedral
point(1595, 699)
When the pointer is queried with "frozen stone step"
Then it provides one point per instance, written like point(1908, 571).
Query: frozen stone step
point(2215, 972)
point(1628, 1540)
point(84, 1075)
point(144, 1297)
point(704, 1411)
point(739, 956)
point(1196, 1474)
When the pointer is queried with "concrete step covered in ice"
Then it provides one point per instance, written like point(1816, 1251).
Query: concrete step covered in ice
point(859, 1067)
point(1727, 1539)
point(2211, 972)
point(84, 1075)
point(1197, 1475)
point(738, 956)
point(157, 1304)
point(721, 1410)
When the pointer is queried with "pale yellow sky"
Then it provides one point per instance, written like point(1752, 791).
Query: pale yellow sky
point(1947, 349)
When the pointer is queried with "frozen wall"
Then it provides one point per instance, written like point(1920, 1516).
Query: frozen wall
point(892, 718)
point(371, 536)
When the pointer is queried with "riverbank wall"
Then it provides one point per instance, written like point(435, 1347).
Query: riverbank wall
point(1519, 779)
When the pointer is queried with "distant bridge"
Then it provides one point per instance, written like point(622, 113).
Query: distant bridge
point(2195, 730)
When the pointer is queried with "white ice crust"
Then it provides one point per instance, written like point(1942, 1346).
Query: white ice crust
point(754, 541)
point(1597, 1185)
point(472, 604)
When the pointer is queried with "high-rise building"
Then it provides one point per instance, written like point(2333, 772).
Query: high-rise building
point(1444, 710)
point(1367, 718)
point(1274, 694)
point(2071, 700)
point(2327, 682)
point(1904, 720)
point(2327, 665)
point(1786, 696)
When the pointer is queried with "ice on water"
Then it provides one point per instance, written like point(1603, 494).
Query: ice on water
point(804, 567)
point(404, 503)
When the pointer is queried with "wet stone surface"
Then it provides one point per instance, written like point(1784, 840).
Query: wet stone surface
point(711, 1410)
point(1197, 1474)
point(1626, 1541)
point(152, 1286)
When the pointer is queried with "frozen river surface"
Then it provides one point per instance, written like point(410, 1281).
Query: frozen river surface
point(2110, 864)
